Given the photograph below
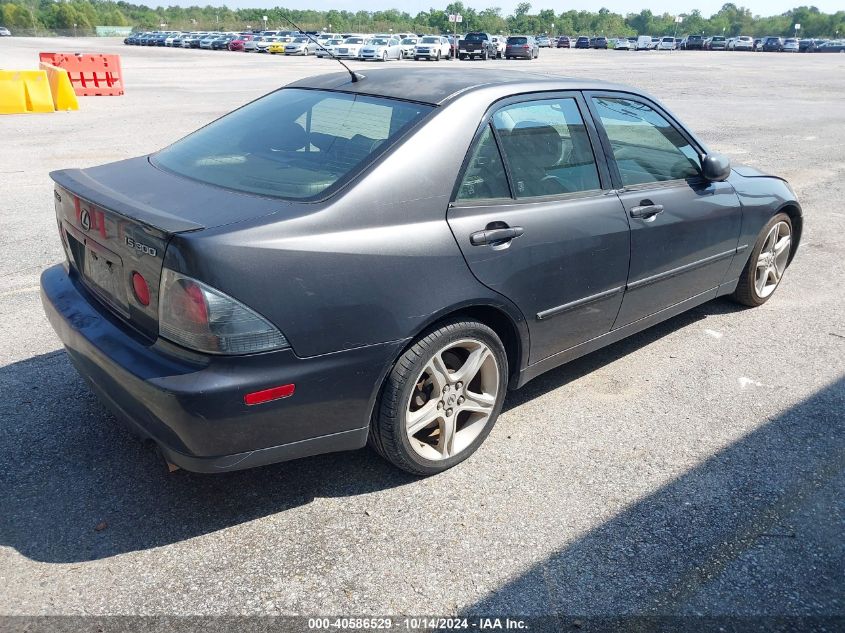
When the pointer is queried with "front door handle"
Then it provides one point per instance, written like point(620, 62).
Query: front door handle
point(493, 236)
point(646, 210)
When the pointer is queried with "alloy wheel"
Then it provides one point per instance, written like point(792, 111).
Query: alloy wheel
point(772, 260)
point(453, 399)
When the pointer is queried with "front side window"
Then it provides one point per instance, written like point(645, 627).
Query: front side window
point(485, 174)
point(292, 143)
point(547, 148)
point(647, 148)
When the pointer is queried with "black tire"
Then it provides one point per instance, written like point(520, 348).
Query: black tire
point(437, 57)
point(746, 291)
point(485, 56)
point(387, 434)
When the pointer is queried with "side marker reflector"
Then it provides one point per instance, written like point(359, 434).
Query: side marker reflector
point(266, 395)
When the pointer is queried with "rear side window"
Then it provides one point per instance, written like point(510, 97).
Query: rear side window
point(485, 174)
point(292, 143)
point(547, 148)
point(646, 147)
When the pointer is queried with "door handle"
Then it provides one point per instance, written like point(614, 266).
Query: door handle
point(492, 236)
point(646, 210)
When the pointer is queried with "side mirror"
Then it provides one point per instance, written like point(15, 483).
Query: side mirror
point(716, 167)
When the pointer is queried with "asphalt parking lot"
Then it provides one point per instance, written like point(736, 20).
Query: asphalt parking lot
point(695, 469)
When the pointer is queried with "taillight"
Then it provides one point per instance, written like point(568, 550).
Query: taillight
point(141, 288)
point(526, 46)
point(204, 319)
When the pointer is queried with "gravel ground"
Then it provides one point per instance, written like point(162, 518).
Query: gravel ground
point(696, 468)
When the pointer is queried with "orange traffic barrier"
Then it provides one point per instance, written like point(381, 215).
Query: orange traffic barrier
point(23, 91)
point(90, 74)
point(64, 98)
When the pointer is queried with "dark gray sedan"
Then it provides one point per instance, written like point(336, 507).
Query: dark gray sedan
point(379, 260)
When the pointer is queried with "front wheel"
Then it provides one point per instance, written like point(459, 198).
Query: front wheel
point(437, 57)
point(767, 263)
point(442, 398)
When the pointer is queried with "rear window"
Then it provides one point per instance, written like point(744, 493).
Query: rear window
point(294, 144)
point(476, 37)
point(517, 40)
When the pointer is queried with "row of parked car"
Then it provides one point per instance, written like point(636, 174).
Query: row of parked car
point(377, 47)
point(701, 42)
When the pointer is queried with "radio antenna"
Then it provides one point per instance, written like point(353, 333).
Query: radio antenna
point(355, 76)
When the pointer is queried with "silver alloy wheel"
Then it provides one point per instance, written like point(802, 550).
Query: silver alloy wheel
point(453, 399)
point(772, 260)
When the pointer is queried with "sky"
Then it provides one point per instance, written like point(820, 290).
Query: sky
point(707, 7)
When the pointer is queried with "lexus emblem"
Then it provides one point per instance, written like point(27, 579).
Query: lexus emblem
point(85, 219)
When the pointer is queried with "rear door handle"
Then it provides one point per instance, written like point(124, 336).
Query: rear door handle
point(492, 236)
point(646, 211)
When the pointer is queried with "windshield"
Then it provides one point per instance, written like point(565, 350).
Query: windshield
point(408, 40)
point(355, 40)
point(430, 40)
point(292, 143)
point(377, 42)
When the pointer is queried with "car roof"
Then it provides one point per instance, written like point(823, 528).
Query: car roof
point(437, 86)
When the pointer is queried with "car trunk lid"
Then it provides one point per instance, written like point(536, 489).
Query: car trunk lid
point(116, 221)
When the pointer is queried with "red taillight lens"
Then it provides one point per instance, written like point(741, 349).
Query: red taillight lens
point(202, 318)
point(526, 46)
point(141, 288)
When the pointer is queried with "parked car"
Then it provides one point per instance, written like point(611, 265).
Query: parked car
point(643, 43)
point(694, 43)
point(433, 47)
point(222, 43)
point(758, 44)
point(790, 45)
point(521, 47)
point(666, 44)
point(500, 43)
point(407, 45)
point(192, 40)
point(833, 46)
point(598, 42)
point(301, 46)
point(286, 315)
point(478, 45)
point(327, 47)
point(239, 42)
point(263, 44)
point(563, 42)
point(544, 41)
point(772, 45)
point(717, 43)
point(582, 42)
point(381, 49)
point(4, 32)
point(251, 46)
point(622, 44)
point(742, 43)
point(350, 48)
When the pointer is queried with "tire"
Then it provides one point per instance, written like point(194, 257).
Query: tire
point(437, 57)
point(767, 263)
point(485, 56)
point(416, 385)
point(384, 56)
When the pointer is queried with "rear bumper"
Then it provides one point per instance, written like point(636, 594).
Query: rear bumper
point(192, 406)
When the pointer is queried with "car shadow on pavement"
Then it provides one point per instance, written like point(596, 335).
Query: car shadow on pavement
point(751, 539)
point(580, 367)
point(66, 465)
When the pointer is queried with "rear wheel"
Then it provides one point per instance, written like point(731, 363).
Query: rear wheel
point(767, 263)
point(485, 56)
point(442, 398)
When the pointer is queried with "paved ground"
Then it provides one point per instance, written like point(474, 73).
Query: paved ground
point(694, 469)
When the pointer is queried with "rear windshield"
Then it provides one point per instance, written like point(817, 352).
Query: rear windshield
point(517, 40)
point(294, 144)
point(475, 37)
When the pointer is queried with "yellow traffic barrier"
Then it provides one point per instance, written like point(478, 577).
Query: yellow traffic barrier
point(24, 91)
point(64, 97)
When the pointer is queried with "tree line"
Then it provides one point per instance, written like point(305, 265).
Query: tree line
point(81, 16)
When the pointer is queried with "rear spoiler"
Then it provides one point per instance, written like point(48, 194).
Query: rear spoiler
point(78, 182)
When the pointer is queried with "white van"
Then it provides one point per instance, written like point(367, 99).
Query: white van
point(643, 42)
